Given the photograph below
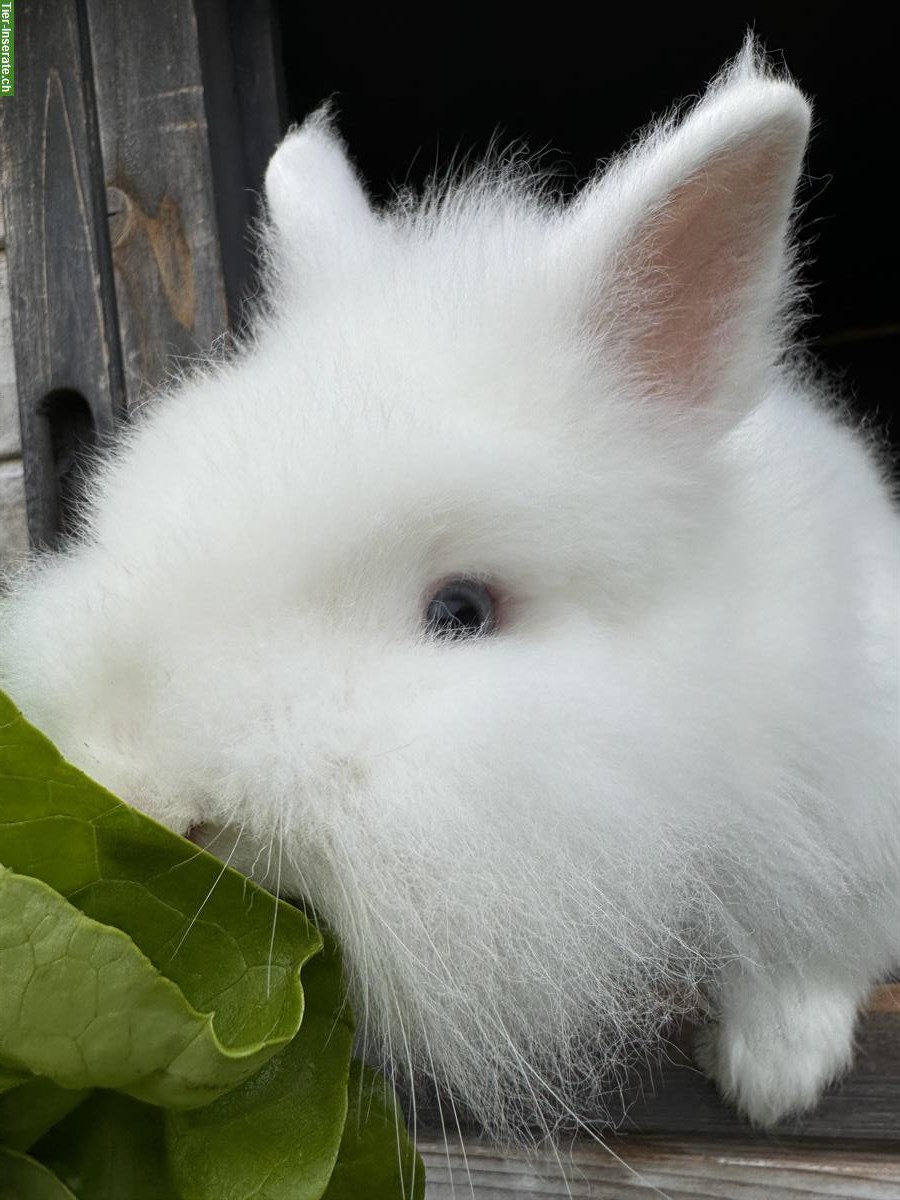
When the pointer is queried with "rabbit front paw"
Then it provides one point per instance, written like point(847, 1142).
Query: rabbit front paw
point(778, 1046)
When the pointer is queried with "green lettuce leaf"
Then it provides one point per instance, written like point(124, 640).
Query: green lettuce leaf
point(31, 1109)
point(82, 1006)
point(11, 1079)
point(276, 1137)
point(131, 960)
point(226, 953)
point(110, 1148)
point(24, 1179)
point(376, 1157)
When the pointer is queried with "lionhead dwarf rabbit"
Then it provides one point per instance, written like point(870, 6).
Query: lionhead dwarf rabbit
point(510, 596)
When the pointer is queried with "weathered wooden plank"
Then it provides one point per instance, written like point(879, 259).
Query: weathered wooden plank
point(761, 1169)
point(155, 143)
point(864, 1104)
point(109, 143)
point(10, 436)
point(243, 79)
point(68, 367)
point(13, 523)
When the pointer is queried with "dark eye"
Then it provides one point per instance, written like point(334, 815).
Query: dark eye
point(461, 608)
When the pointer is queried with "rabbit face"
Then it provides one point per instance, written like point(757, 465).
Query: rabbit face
point(264, 547)
point(252, 657)
point(252, 648)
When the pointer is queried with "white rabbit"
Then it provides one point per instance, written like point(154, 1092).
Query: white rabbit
point(518, 602)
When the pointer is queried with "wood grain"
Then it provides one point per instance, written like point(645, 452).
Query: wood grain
point(115, 192)
point(758, 1169)
point(13, 524)
point(158, 181)
point(676, 1098)
point(60, 274)
point(243, 82)
point(10, 437)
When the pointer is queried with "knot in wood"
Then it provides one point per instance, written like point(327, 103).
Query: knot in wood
point(119, 212)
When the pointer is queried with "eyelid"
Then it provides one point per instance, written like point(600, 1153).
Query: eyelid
point(462, 577)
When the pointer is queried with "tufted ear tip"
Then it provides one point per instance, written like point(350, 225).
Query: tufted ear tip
point(770, 110)
point(752, 100)
point(303, 152)
point(312, 189)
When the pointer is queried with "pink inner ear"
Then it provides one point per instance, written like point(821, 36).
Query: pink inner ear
point(703, 271)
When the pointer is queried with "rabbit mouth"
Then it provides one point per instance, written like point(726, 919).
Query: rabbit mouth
point(262, 860)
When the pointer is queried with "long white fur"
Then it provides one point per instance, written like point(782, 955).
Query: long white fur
point(671, 778)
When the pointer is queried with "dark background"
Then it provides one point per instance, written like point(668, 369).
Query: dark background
point(413, 90)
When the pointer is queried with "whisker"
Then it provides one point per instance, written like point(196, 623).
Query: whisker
point(280, 834)
point(305, 898)
point(585, 1128)
point(269, 858)
point(210, 892)
point(437, 1092)
point(537, 1106)
point(412, 1097)
point(355, 912)
point(260, 852)
point(462, 1142)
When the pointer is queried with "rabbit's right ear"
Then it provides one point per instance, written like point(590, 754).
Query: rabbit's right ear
point(315, 200)
point(681, 251)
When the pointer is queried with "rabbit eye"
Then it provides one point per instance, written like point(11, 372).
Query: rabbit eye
point(461, 608)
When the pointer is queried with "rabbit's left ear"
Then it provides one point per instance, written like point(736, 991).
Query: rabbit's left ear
point(314, 197)
point(680, 250)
